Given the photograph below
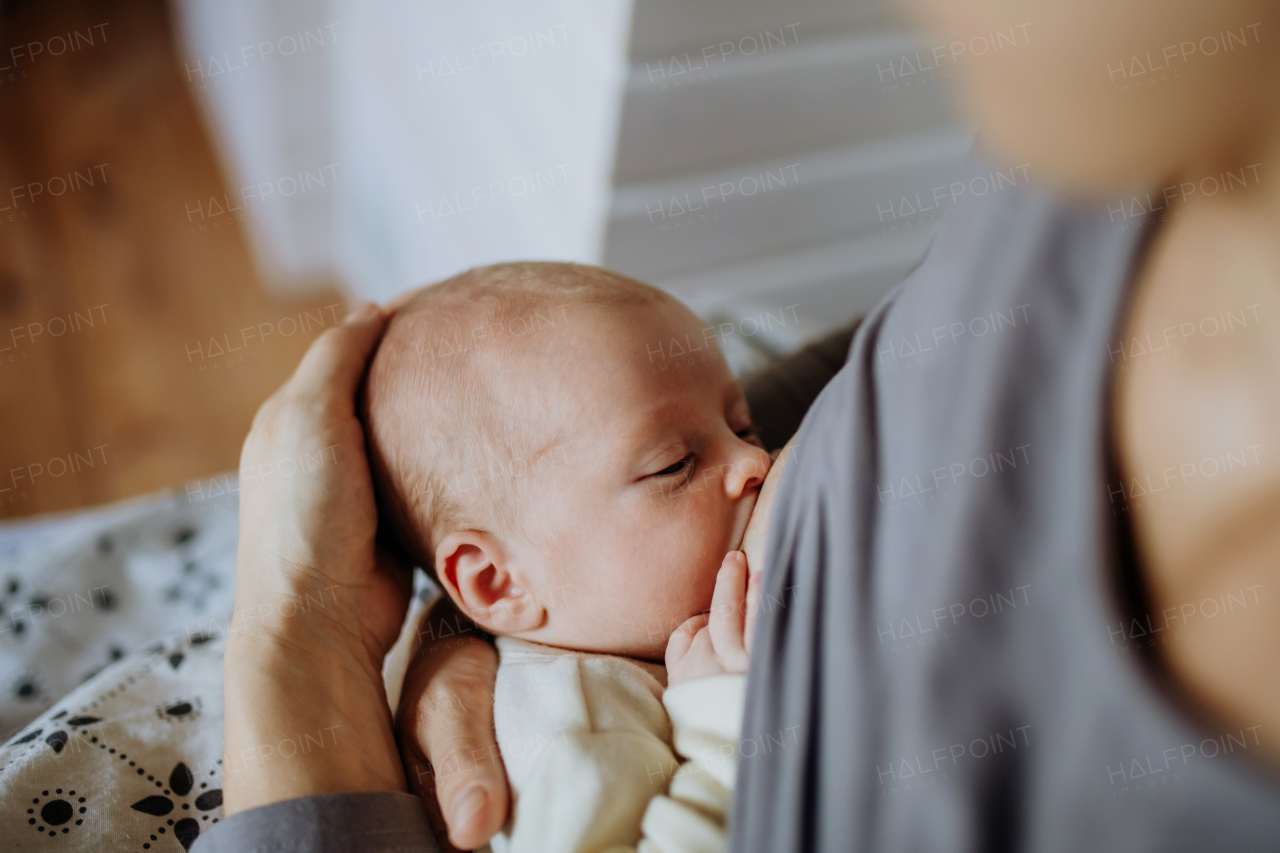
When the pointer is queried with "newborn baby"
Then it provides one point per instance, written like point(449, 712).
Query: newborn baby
point(575, 488)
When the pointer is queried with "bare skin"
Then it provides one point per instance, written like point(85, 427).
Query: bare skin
point(665, 458)
point(1202, 418)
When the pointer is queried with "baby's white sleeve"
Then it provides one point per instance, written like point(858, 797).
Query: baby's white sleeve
point(693, 816)
point(586, 743)
point(586, 740)
point(588, 793)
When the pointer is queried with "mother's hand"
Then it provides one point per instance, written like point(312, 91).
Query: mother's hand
point(316, 609)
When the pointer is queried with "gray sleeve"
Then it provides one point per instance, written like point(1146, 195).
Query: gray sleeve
point(363, 822)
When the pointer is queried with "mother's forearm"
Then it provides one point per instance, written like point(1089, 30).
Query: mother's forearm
point(303, 717)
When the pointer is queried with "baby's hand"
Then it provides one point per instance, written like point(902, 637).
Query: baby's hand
point(717, 642)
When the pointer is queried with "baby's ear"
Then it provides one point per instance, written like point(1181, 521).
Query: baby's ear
point(475, 569)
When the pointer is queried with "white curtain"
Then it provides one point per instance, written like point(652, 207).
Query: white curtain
point(389, 143)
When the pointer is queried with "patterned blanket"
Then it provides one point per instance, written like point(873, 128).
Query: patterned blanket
point(111, 642)
point(112, 627)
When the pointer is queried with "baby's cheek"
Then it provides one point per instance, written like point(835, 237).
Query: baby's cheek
point(684, 594)
point(700, 580)
point(653, 618)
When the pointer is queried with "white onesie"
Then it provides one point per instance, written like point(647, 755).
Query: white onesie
point(588, 749)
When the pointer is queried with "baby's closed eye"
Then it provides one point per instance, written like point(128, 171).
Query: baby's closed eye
point(674, 468)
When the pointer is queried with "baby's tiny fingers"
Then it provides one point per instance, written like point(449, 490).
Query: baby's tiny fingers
point(728, 604)
point(680, 641)
point(752, 610)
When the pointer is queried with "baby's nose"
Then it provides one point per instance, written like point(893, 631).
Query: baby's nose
point(747, 471)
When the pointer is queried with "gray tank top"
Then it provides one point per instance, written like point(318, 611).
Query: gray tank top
point(953, 653)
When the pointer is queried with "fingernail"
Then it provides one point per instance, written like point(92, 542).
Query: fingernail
point(361, 312)
point(469, 803)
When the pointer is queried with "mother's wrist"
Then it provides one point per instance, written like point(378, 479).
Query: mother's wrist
point(318, 655)
point(306, 708)
point(297, 614)
point(282, 627)
point(303, 721)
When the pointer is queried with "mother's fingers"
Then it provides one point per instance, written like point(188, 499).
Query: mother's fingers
point(332, 367)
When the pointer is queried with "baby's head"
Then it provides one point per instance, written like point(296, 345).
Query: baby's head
point(536, 442)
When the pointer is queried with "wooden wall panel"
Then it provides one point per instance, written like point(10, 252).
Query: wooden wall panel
point(142, 391)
